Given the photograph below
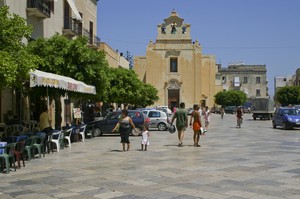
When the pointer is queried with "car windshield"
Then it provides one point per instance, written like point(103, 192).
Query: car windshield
point(290, 112)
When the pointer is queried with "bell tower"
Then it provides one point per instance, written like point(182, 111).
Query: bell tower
point(173, 28)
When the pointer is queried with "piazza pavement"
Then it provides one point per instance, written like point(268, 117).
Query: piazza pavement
point(255, 161)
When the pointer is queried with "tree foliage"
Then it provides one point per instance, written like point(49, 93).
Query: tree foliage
point(15, 60)
point(129, 58)
point(125, 87)
point(73, 58)
point(230, 98)
point(288, 95)
point(146, 96)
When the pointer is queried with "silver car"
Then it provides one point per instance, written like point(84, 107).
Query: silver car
point(158, 119)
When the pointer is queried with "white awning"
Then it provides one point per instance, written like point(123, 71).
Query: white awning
point(74, 9)
point(40, 78)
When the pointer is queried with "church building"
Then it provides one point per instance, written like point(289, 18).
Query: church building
point(176, 67)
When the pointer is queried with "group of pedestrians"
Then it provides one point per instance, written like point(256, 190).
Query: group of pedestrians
point(125, 125)
point(195, 122)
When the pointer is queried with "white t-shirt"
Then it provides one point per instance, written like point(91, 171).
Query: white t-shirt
point(207, 116)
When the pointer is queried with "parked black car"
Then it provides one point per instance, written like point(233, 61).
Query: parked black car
point(107, 124)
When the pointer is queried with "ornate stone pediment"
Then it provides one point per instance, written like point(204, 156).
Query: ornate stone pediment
point(172, 52)
point(173, 84)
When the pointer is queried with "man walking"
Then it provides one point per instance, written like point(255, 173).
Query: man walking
point(181, 122)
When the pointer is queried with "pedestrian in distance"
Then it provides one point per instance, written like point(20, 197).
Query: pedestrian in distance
point(196, 121)
point(145, 138)
point(181, 117)
point(239, 117)
point(124, 125)
point(222, 112)
point(207, 119)
point(202, 113)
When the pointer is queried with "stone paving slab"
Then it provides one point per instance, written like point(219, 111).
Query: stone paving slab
point(255, 161)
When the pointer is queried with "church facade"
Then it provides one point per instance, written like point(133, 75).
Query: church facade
point(176, 67)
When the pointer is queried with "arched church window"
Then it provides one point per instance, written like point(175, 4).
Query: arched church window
point(163, 30)
point(183, 29)
point(173, 28)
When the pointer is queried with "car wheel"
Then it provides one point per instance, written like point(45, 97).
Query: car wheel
point(137, 131)
point(97, 132)
point(285, 126)
point(274, 125)
point(162, 127)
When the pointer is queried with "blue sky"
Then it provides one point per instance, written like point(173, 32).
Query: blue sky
point(249, 31)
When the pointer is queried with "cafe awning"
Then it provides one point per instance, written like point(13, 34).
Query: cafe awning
point(74, 9)
point(40, 78)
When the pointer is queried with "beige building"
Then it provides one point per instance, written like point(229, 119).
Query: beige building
point(47, 17)
point(175, 65)
point(297, 77)
point(290, 80)
point(251, 79)
point(113, 57)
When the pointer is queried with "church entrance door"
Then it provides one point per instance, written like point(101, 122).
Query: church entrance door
point(173, 98)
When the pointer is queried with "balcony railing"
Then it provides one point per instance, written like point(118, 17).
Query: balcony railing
point(97, 40)
point(92, 39)
point(39, 8)
point(72, 27)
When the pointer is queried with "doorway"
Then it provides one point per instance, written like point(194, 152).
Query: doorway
point(173, 98)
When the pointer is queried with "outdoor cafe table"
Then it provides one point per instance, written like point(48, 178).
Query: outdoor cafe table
point(18, 138)
point(2, 144)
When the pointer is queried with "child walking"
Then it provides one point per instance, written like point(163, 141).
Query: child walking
point(145, 139)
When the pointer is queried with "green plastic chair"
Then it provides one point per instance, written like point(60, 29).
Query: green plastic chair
point(62, 140)
point(9, 156)
point(39, 145)
point(29, 147)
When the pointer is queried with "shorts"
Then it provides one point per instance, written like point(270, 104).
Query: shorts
point(196, 126)
point(181, 128)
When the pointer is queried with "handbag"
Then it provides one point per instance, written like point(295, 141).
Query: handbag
point(172, 128)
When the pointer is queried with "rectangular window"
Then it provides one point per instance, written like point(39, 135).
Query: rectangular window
point(173, 65)
point(245, 80)
point(257, 92)
point(154, 114)
point(258, 80)
point(237, 81)
point(91, 36)
point(52, 6)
